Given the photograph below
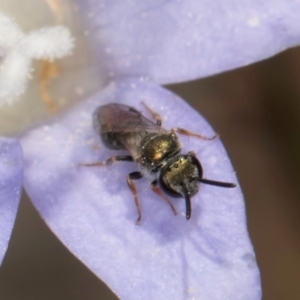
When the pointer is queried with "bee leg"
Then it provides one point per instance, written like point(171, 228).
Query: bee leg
point(154, 114)
point(129, 178)
point(158, 192)
point(189, 133)
point(109, 161)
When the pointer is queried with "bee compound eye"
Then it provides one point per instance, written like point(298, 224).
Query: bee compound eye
point(169, 187)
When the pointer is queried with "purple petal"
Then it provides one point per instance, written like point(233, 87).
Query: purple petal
point(175, 41)
point(11, 173)
point(92, 210)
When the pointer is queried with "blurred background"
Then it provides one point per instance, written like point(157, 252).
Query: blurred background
point(257, 111)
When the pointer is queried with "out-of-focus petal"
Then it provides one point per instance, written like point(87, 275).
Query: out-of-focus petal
point(11, 175)
point(175, 41)
point(18, 50)
point(92, 210)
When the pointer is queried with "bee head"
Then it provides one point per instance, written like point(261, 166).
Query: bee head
point(179, 178)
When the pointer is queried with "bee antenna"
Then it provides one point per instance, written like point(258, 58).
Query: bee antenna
point(187, 203)
point(217, 183)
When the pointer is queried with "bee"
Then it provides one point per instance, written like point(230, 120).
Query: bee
point(156, 151)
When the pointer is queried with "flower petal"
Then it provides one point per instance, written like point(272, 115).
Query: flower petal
point(92, 210)
point(175, 41)
point(11, 173)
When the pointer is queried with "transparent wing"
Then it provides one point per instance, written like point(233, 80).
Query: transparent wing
point(127, 125)
point(121, 118)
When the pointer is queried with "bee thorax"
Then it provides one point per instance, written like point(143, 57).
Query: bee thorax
point(156, 149)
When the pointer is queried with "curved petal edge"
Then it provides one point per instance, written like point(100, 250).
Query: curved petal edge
point(176, 41)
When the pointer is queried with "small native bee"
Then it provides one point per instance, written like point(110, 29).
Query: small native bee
point(155, 149)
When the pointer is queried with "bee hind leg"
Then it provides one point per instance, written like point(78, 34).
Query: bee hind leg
point(108, 162)
point(154, 114)
point(189, 133)
point(129, 178)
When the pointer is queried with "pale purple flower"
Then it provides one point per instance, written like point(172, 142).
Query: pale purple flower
point(139, 45)
point(11, 177)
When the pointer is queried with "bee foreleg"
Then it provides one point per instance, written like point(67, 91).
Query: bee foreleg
point(158, 192)
point(109, 161)
point(154, 114)
point(189, 133)
point(129, 178)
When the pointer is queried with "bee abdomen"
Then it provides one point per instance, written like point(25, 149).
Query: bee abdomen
point(110, 140)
